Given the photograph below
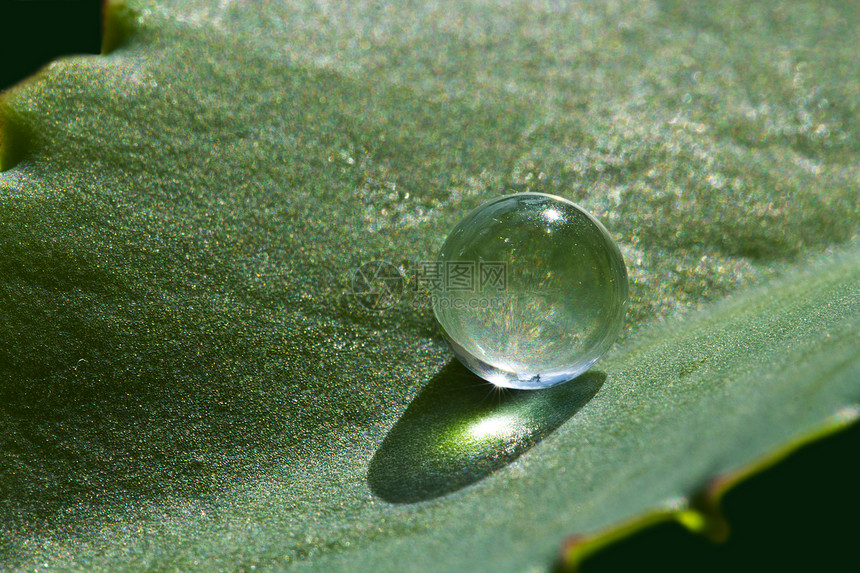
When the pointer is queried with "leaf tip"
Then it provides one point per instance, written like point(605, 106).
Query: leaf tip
point(703, 515)
point(576, 548)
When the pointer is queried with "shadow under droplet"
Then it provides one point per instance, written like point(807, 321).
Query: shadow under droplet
point(459, 429)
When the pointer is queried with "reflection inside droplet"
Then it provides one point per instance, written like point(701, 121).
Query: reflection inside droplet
point(551, 215)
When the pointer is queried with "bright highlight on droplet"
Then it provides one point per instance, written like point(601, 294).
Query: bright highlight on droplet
point(535, 291)
point(551, 215)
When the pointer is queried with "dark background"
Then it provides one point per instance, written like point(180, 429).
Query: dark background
point(34, 32)
point(800, 515)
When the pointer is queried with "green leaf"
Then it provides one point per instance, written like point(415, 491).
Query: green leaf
point(186, 382)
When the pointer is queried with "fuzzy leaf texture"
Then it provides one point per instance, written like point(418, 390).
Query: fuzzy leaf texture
point(186, 382)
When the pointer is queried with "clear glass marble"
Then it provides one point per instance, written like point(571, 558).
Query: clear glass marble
point(532, 291)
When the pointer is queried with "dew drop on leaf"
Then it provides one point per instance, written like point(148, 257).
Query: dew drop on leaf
point(532, 291)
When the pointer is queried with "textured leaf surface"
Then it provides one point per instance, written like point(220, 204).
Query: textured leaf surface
point(185, 381)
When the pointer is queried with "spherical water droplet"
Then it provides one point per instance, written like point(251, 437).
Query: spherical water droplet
point(534, 291)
